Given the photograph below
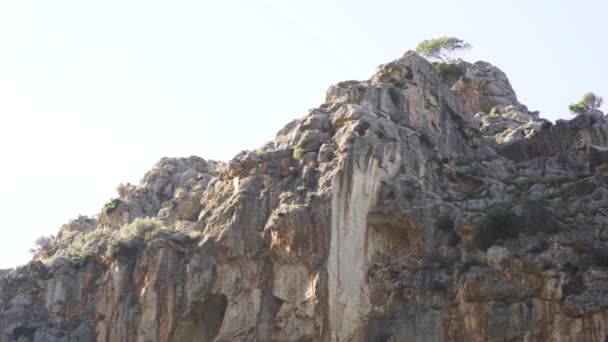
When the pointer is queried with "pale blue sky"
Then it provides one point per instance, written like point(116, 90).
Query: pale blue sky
point(93, 93)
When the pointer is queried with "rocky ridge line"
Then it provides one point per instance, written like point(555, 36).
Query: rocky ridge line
point(424, 204)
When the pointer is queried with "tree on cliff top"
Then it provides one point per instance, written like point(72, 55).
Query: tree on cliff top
point(589, 102)
point(442, 48)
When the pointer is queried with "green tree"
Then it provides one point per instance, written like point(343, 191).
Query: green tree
point(41, 243)
point(442, 48)
point(589, 102)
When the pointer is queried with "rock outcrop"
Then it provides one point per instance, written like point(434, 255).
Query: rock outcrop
point(424, 204)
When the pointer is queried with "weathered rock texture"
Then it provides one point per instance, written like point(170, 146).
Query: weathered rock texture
point(425, 204)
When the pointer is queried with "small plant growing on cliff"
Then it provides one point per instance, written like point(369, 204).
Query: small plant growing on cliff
point(85, 246)
point(298, 153)
point(112, 205)
point(41, 243)
point(442, 48)
point(135, 234)
point(589, 102)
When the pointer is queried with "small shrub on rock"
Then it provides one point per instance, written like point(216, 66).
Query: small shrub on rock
point(85, 246)
point(298, 153)
point(42, 243)
point(136, 234)
point(112, 205)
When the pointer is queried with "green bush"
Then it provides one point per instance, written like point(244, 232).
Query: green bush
point(298, 153)
point(590, 101)
point(136, 234)
point(41, 244)
point(112, 205)
point(79, 247)
point(85, 246)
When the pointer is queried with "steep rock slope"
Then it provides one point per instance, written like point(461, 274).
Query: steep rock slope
point(424, 204)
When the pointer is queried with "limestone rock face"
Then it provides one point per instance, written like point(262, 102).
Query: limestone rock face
point(483, 87)
point(419, 205)
point(172, 190)
point(486, 92)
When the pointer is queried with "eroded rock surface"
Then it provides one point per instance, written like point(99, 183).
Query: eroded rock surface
point(424, 204)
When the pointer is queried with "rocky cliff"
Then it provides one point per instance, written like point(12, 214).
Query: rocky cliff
point(424, 204)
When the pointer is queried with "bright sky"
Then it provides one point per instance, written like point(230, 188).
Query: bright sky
point(93, 93)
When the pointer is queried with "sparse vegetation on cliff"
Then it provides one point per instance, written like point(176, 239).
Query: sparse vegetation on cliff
point(136, 233)
point(41, 243)
point(298, 153)
point(589, 102)
point(112, 205)
point(85, 246)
